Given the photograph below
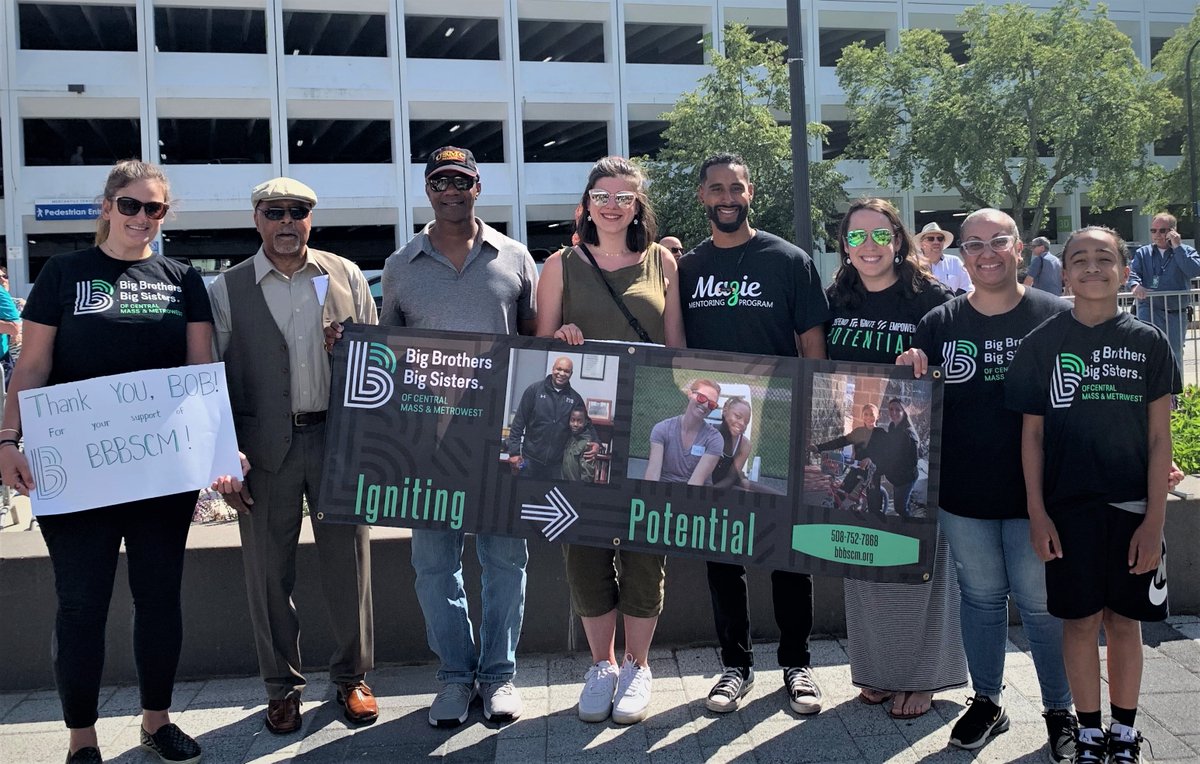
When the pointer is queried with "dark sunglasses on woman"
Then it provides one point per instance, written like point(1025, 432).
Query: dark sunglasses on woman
point(128, 206)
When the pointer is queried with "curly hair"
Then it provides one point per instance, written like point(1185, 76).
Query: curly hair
point(1122, 247)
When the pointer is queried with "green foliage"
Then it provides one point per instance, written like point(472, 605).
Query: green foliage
point(1058, 78)
point(1185, 431)
point(734, 110)
point(1170, 62)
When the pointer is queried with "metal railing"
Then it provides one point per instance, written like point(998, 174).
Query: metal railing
point(1172, 311)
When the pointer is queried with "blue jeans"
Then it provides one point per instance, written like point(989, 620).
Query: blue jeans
point(437, 560)
point(995, 559)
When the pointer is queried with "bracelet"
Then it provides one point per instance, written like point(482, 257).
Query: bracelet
point(12, 430)
point(9, 441)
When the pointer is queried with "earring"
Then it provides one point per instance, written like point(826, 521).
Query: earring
point(589, 218)
point(897, 259)
point(846, 260)
point(636, 221)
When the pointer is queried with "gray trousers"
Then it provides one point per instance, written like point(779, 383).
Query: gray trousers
point(270, 534)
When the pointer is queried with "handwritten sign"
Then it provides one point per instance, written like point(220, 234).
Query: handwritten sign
point(125, 437)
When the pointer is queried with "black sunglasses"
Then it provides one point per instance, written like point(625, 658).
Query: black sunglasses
point(277, 213)
point(128, 206)
point(442, 182)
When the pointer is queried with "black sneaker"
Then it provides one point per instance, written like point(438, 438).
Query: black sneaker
point(729, 689)
point(171, 745)
point(1124, 747)
point(804, 694)
point(1061, 730)
point(89, 755)
point(982, 720)
point(1091, 746)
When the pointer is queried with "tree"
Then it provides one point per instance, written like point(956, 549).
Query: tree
point(1170, 61)
point(734, 110)
point(1058, 83)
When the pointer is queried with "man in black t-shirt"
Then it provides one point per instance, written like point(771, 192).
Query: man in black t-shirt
point(749, 291)
point(982, 492)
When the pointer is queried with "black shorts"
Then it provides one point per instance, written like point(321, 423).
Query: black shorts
point(1093, 572)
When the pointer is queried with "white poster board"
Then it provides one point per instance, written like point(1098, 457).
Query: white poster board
point(125, 437)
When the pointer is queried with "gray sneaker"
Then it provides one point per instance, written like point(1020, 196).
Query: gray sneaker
point(804, 696)
point(450, 707)
point(501, 702)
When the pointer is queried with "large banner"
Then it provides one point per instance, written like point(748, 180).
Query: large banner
point(125, 437)
point(819, 466)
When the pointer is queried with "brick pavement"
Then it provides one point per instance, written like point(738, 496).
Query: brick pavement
point(225, 715)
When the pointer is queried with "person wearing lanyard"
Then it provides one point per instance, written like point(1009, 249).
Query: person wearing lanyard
point(1164, 265)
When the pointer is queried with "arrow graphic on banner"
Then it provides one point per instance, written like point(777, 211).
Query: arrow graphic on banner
point(558, 515)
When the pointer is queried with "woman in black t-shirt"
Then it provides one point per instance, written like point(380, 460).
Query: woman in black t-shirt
point(877, 297)
point(114, 308)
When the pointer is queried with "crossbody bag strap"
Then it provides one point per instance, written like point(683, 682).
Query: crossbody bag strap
point(632, 319)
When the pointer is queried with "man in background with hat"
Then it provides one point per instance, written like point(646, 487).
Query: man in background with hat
point(459, 274)
point(947, 269)
point(269, 312)
point(1045, 269)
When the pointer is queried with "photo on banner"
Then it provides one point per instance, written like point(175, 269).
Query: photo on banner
point(536, 376)
point(869, 449)
point(738, 408)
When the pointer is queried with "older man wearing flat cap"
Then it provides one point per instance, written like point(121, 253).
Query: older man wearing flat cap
point(947, 269)
point(269, 313)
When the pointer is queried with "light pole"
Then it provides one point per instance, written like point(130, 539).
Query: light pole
point(801, 203)
point(1187, 77)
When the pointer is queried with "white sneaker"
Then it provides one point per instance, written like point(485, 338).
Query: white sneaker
point(501, 702)
point(633, 692)
point(599, 686)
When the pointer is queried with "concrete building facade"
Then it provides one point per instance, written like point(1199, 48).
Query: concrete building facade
point(350, 95)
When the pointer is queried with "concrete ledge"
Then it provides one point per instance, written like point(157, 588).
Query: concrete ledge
point(217, 635)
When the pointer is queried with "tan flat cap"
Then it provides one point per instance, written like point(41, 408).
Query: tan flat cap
point(282, 188)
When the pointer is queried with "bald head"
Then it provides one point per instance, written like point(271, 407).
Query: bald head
point(674, 245)
point(561, 372)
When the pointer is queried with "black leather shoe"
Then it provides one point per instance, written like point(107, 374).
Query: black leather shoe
point(283, 716)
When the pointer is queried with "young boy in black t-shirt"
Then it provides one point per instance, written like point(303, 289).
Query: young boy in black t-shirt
point(1097, 503)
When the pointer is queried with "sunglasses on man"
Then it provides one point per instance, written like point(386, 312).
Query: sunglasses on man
point(276, 214)
point(130, 207)
point(442, 182)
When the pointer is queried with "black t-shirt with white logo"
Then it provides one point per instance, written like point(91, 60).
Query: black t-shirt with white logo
point(1093, 385)
point(882, 326)
point(115, 316)
point(753, 298)
point(981, 439)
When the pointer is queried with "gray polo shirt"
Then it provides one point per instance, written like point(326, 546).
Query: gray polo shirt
point(493, 293)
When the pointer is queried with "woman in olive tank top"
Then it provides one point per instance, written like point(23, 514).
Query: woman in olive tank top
point(616, 225)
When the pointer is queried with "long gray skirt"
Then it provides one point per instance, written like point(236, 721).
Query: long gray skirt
point(907, 637)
